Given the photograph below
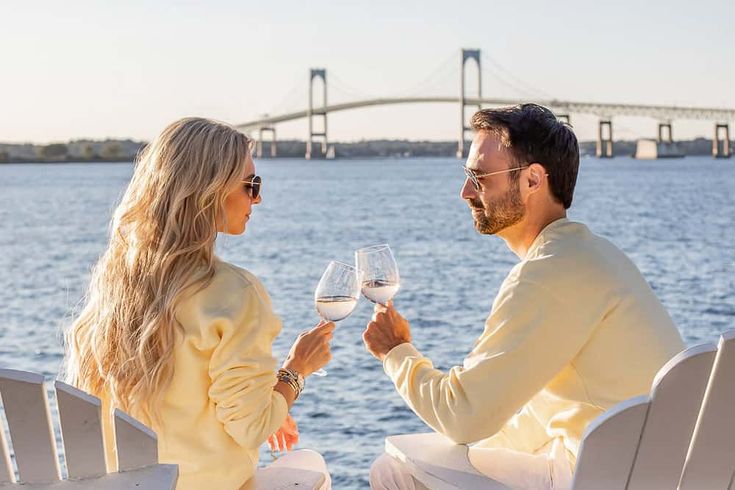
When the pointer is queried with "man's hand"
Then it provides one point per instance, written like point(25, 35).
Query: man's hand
point(386, 330)
point(285, 437)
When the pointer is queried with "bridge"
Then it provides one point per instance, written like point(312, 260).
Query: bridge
point(563, 108)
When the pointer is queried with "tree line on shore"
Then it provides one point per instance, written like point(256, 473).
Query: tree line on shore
point(126, 150)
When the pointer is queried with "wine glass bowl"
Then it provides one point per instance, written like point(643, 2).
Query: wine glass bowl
point(378, 269)
point(336, 294)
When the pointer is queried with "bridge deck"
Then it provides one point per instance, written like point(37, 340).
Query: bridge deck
point(604, 110)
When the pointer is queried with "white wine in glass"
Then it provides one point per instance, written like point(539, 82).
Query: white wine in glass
point(379, 273)
point(336, 294)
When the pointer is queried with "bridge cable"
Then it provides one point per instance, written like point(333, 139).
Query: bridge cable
point(513, 88)
point(336, 82)
point(288, 102)
point(447, 66)
point(519, 83)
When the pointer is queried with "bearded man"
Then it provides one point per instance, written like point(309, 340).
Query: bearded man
point(574, 329)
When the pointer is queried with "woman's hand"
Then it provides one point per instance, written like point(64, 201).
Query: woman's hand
point(285, 437)
point(311, 351)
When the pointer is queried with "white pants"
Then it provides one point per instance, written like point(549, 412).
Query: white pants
point(304, 459)
point(545, 471)
point(386, 473)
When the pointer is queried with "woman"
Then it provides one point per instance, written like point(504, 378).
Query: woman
point(175, 336)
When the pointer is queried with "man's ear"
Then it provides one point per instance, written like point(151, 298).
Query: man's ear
point(536, 175)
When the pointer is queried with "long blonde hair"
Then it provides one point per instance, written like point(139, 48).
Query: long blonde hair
point(161, 243)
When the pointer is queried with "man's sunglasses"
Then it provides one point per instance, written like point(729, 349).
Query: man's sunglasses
point(253, 186)
point(475, 178)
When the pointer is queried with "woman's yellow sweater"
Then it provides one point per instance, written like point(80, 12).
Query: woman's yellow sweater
point(220, 406)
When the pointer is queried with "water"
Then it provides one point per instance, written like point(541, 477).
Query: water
point(674, 219)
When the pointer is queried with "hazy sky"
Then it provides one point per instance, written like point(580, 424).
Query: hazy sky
point(96, 69)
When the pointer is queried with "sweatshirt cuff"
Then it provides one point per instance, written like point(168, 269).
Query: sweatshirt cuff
point(394, 358)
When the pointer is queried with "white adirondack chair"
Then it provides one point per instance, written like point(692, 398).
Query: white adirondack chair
point(31, 433)
point(681, 436)
point(710, 462)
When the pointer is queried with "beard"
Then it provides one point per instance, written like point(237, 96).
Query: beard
point(498, 215)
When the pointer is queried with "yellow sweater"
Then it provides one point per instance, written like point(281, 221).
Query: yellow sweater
point(574, 330)
point(220, 406)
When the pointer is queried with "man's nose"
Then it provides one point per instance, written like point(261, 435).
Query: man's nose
point(468, 190)
point(258, 199)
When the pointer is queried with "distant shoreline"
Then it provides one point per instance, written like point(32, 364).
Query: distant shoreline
point(122, 151)
point(62, 162)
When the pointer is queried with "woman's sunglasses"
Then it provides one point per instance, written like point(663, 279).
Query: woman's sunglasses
point(253, 186)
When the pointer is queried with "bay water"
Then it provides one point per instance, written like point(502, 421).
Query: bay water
point(673, 218)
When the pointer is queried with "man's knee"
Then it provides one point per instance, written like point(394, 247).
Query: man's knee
point(388, 474)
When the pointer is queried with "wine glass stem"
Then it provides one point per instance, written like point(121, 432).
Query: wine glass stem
point(321, 372)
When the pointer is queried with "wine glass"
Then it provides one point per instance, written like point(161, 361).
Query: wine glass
point(336, 294)
point(379, 273)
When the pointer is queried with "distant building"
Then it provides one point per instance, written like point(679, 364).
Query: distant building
point(648, 149)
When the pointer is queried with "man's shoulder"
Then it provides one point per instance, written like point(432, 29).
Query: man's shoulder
point(572, 255)
point(575, 242)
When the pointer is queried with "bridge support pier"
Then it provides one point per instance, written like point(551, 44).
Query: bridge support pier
point(320, 112)
point(259, 144)
point(467, 54)
point(721, 147)
point(604, 147)
point(665, 128)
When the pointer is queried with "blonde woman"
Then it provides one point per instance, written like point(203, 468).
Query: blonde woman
point(180, 339)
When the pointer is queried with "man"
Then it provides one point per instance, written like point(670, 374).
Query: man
point(574, 329)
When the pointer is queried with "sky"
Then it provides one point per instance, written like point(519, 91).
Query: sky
point(98, 69)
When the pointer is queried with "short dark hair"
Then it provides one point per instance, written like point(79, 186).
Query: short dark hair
point(533, 134)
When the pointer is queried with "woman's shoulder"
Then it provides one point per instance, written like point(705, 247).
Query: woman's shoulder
point(230, 274)
point(230, 290)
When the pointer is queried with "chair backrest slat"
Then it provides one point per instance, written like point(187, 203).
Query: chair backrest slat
point(81, 431)
point(609, 446)
point(711, 459)
point(7, 473)
point(29, 424)
point(676, 399)
point(137, 445)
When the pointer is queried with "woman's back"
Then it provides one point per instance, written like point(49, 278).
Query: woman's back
point(221, 406)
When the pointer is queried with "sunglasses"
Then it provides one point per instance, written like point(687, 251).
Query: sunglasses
point(475, 178)
point(253, 186)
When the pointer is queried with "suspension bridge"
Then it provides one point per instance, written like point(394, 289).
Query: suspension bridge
point(317, 143)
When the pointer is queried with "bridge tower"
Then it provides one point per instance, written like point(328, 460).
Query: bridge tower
point(665, 127)
point(467, 54)
point(259, 144)
point(312, 113)
point(721, 147)
point(604, 148)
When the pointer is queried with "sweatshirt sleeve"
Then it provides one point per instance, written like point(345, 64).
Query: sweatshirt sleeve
point(242, 370)
point(530, 335)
